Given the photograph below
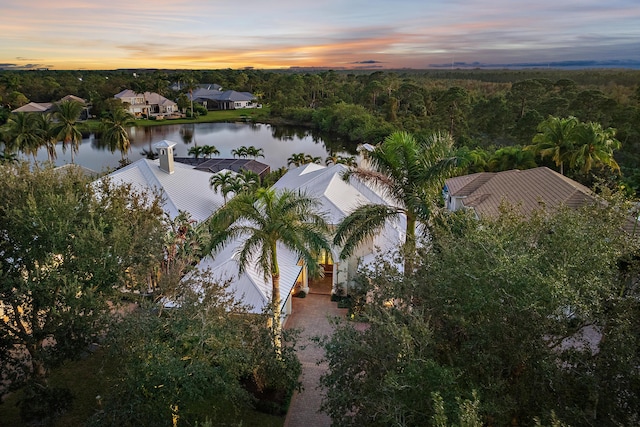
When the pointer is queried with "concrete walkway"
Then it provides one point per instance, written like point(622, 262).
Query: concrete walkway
point(311, 314)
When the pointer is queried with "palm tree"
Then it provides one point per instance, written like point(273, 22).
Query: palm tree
point(209, 150)
point(296, 159)
point(258, 222)
point(44, 126)
point(302, 159)
point(411, 174)
point(254, 152)
point(513, 157)
point(250, 180)
point(308, 158)
point(66, 130)
point(195, 151)
point(223, 181)
point(594, 146)
point(239, 152)
point(22, 134)
point(114, 132)
point(555, 139)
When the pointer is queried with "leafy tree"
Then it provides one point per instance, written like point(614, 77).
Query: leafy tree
point(263, 219)
point(114, 132)
point(66, 128)
point(411, 173)
point(65, 253)
point(538, 314)
point(239, 152)
point(195, 151)
point(207, 353)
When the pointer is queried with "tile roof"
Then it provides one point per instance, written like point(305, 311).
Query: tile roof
point(528, 189)
point(217, 165)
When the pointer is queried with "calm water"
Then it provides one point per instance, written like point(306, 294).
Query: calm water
point(278, 143)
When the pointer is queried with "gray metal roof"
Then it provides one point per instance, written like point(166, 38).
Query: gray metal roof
point(187, 189)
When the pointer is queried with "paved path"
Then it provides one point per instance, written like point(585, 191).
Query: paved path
point(311, 315)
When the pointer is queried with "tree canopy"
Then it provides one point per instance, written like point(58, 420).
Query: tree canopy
point(538, 315)
point(68, 247)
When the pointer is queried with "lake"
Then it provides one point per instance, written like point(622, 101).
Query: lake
point(278, 143)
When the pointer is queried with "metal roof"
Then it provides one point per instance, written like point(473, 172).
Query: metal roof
point(251, 287)
point(187, 189)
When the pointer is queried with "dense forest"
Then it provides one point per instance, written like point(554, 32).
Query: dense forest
point(491, 114)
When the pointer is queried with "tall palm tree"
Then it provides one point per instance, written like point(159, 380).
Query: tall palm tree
point(44, 130)
point(411, 175)
point(555, 139)
point(594, 146)
point(22, 134)
point(262, 219)
point(66, 129)
point(114, 132)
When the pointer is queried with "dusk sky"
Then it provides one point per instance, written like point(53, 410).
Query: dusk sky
point(205, 34)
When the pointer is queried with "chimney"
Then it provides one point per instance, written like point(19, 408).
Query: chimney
point(165, 155)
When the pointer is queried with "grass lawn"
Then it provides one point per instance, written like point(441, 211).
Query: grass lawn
point(250, 114)
point(88, 378)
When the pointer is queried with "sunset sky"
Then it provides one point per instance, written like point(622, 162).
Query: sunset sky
point(199, 34)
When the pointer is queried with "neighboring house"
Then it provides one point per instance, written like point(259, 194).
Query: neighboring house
point(212, 97)
point(148, 104)
point(527, 190)
point(49, 107)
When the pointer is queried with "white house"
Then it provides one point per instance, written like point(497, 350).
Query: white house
point(185, 188)
point(338, 199)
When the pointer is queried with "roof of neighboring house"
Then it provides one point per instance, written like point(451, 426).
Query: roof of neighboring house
point(34, 107)
point(217, 95)
point(250, 286)
point(151, 97)
point(529, 190)
point(187, 189)
point(210, 86)
point(74, 98)
point(217, 165)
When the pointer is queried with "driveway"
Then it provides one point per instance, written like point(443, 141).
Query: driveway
point(311, 314)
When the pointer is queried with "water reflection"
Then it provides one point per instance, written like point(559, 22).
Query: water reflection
point(278, 143)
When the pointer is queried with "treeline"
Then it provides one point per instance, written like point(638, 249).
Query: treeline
point(482, 109)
